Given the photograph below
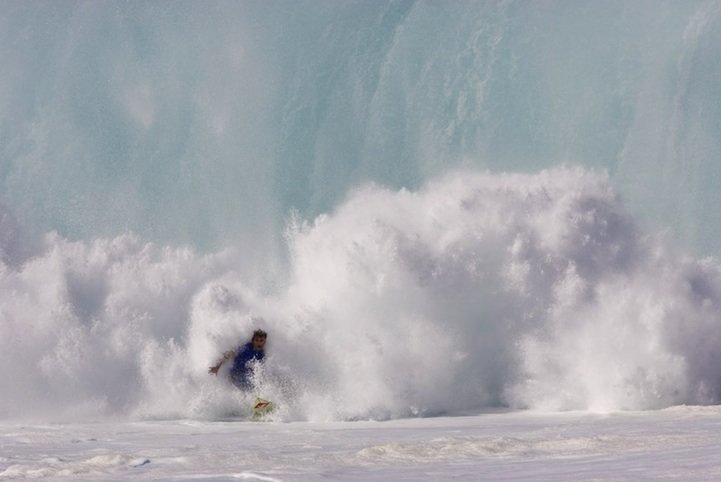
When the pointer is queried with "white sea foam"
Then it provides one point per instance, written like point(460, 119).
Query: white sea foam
point(477, 290)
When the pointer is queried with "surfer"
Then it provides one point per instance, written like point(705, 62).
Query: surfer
point(243, 358)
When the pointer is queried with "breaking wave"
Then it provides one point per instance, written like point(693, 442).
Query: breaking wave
point(477, 290)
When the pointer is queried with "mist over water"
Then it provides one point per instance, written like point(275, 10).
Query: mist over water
point(478, 290)
point(431, 208)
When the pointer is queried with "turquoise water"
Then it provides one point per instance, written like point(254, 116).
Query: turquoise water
point(208, 124)
point(513, 202)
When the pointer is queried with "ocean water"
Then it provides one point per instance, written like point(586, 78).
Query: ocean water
point(432, 208)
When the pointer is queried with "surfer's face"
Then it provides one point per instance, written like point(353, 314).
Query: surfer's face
point(258, 343)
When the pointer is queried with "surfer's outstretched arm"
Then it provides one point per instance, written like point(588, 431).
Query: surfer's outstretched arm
point(226, 356)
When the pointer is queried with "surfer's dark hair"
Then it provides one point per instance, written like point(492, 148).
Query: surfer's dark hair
point(259, 334)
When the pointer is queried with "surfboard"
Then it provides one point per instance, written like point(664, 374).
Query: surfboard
point(262, 407)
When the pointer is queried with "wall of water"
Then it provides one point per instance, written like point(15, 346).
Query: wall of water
point(419, 199)
point(198, 124)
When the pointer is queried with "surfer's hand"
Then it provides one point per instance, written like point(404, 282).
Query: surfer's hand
point(213, 370)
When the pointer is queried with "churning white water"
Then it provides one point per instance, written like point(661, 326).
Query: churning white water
point(430, 208)
point(477, 290)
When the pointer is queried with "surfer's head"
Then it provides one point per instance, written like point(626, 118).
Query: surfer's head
point(259, 337)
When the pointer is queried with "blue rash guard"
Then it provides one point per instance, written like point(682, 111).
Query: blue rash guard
point(240, 372)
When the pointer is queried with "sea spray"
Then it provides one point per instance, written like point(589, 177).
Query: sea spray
point(529, 291)
point(438, 300)
point(477, 290)
point(78, 317)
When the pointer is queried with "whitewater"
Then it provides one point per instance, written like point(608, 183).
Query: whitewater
point(478, 255)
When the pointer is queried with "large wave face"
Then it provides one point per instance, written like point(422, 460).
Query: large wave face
point(419, 202)
point(207, 124)
point(478, 290)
